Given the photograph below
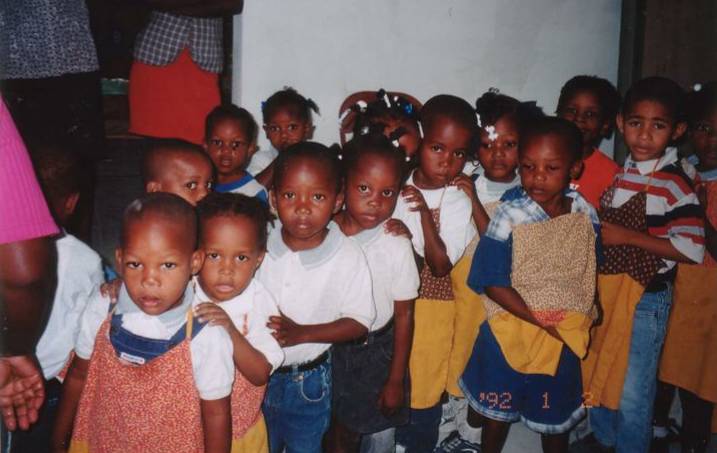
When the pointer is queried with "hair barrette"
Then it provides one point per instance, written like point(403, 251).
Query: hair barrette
point(494, 90)
point(420, 130)
point(492, 134)
point(697, 87)
point(478, 119)
point(364, 130)
point(340, 156)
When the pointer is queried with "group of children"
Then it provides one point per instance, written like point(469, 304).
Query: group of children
point(447, 265)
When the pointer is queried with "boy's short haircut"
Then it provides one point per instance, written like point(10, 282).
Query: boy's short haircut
point(554, 126)
point(605, 92)
point(60, 171)
point(289, 99)
point(658, 89)
point(313, 151)
point(455, 109)
point(155, 158)
point(169, 206)
point(231, 112)
point(701, 103)
point(229, 204)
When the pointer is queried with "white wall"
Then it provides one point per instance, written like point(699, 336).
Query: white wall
point(328, 49)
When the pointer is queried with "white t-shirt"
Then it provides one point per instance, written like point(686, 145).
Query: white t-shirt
point(211, 349)
point(261, 159)
point(79, 272)
point(317, 286)
point(456, 229)
point(256, 304)
point(393, 270)
point(491, 191)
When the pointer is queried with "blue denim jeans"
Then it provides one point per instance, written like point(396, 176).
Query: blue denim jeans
point(629, 429)
point(297, 409)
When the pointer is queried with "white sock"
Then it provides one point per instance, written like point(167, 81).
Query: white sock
point(659, 431)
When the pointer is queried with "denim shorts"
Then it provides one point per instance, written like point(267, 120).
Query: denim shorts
point(360, 372)
point(546, 404)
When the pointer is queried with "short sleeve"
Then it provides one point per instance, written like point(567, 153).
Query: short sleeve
point(358, 303)
point(685, 227)
point(406, 280)
point(95, 313)
point(259, 335)
point(213, 363)
point(491, 265)
point(25, 212)
point(457, 229)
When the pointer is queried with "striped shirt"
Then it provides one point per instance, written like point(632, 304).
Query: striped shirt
point(673, 211)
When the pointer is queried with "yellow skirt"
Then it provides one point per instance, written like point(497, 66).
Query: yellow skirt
point(689, 357)
point(469, 315)
point(255, 440)
point(432, 342)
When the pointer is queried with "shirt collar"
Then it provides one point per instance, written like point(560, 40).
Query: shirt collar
point(312, 257)
point(648, 166)
point(229, 186)
point(125, 305)
point(579, 204)
point(709, 175)
point(366, 237)
point(494, 186)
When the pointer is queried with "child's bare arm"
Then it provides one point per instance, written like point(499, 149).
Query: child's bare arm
point(391, 397)
point(265, 176)
point(289, 333)
point(71, 390)
point(247, 359)
point(478, 212)
point(512, 301)
point(617, 235)
point(435, 252)
point(217, 423)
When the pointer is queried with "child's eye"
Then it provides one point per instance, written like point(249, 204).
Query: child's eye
point(213, 256)
point(215, 142)
point(436, 148)
point(527, 166)
point(486, 145)
point(633, 123)
point(388, 193)
point(242, 258)
point(192, 185)
point(236, 144)
point(319, 197)
point(659, 126)
point(459, 154)
point(703, 127)
point(292, 127)
point(273, 128)
point(289, 195)
point(169, 265)
point(553, 168)
point(590, 114)
point(362, 188)
point(132, 265)
point(511, 144)
point(570, 110)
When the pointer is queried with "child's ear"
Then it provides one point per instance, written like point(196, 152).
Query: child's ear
point(252, 149)
point(260, 259)
point(119, 261)
point(197, 261)
point(153, 186)
point(339, 201)
point(680, 129)
point(272, 200)
point(70, 204)
point(577, 169)
point(619, 121)
point(606, 129)
point(309, 132)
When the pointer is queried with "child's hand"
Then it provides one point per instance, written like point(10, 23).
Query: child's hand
point(391, 398)
point(414, 197)
point(395, 227)
point(215, 316)
point(615, 234)
point(465, 184)
point(111, 289)
point(286, 331)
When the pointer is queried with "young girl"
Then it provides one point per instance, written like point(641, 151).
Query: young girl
point(322, 285)
point(287, 120)
point(536, 262)
point(591, 103)
point(233, 234)
point(370, 375)
point(499, 133)
point(651, 220)
point(438, 216)
point(230, 141)
point(146, 376)
point(689, 357)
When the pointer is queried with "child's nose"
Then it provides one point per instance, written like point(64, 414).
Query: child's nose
point(149, 277)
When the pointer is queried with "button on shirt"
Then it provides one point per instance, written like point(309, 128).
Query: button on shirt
point(45, 38)
point(317, 286)
point(211, 349)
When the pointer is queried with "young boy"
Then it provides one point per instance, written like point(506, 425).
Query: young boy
point(147, 376)
point(79, 272)
point(322, 285)
point(178, 167)
point(537, 264)
point(591, 103)
point(652, 221)
point(230, 142)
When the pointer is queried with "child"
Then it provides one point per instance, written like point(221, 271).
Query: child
point(233, 234)
point(688, 357)
point(438, 216)
point(322, 285)
point(230, 141)
point(536, 262)
point(499, 133)
point(591, 103)
point(79, 272)
point(651, 219)
point(370, 374)
point(178, 167)
point(145, 376)
point(287, 120)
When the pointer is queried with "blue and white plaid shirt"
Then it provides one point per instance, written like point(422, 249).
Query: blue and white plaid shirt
point(166, 35)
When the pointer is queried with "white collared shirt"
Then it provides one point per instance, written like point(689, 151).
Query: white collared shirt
point(393, 270)
point(456, 230)
point(211, 349)
point(317, 286)
point(79, 272)
point(253, 307)
point(261, 159)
